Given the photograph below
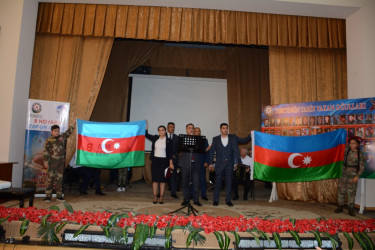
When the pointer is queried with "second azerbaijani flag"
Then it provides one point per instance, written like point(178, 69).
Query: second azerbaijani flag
point(110, 145)
point(293, 159)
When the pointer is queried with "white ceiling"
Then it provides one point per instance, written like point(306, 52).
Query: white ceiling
point(319, 8)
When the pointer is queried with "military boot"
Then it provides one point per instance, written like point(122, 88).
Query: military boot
point(339, 209)
point(351, 211)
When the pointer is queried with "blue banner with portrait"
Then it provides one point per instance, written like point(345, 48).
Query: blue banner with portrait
point(357, 116)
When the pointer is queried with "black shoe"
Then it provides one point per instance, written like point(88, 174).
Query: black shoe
point(84, 192)
point(99, 193)
point(216, 204)
point(185, 203)
point(351, 211)
point(230, 204)
point(205, 198)
point(245, 198)
point(197, 203)
point(60, 199)
point(339, 209)
point(174, 196)
point(235, 198)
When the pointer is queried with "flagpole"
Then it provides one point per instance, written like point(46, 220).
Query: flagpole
point(362, 203)
point(274, 196)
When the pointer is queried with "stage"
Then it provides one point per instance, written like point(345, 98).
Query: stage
point(138, 198)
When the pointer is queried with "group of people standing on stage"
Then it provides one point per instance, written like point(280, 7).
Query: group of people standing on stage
point(165, 154)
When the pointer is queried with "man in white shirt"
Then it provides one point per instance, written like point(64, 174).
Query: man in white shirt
point(227, 156)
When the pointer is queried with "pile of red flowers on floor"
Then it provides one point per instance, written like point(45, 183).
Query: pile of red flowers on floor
point(206, 223)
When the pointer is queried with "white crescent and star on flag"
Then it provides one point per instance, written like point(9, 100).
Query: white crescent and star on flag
point(306, 160)
point(115, 146)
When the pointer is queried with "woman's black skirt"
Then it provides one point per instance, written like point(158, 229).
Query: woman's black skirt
point(158, 167)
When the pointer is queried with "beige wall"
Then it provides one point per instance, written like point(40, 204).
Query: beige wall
point(360, 32)
point(10, 23)
point(17, 21)
point(360, 36)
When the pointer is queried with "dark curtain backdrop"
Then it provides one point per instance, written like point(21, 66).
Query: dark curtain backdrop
point(126, 56)
point(246, 70)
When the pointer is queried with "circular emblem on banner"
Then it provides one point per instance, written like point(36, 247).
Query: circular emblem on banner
point(60, 109)
point(36, 107)
point(268, 110)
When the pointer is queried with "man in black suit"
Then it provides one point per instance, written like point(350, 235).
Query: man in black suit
point(185, 160)
point(227, 156)
point(173, 181)
point(202, 167)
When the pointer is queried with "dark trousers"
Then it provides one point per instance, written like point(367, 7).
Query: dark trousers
point(173, 182)
point(87, 173)
point(245, 181)
point(202, 181)
point(195, 181)
point(226, 172)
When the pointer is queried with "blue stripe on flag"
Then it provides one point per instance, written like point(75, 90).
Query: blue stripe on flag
point(111, 129)
point(302, 144)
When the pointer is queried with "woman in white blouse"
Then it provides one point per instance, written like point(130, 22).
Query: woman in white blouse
point(161, 156)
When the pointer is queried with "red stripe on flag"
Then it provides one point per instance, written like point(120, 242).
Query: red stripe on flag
point(298, 160)
point(111, 145)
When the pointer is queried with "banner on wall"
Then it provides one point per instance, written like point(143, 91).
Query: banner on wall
point(41, 115)
point(356, 116)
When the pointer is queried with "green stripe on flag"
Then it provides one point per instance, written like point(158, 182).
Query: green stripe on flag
point(111, 161)
point(368, 174)
point(268, 173)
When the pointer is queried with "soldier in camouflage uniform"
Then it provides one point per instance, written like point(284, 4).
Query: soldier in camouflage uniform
point(354, 165)
point(122, 176)
point(54, 160)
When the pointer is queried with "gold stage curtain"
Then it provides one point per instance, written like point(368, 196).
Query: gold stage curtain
point(305, 75)
point(69, 69)
point(190, 25)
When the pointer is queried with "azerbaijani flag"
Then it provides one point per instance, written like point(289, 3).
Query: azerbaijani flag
point(292, 159)
point(110, 145)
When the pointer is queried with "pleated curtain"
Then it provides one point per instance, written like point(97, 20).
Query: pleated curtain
point(307, 75)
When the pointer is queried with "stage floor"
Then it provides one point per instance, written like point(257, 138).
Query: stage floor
point(138, 198)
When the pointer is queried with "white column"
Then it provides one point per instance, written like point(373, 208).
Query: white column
point(360, 38)
point(17, 35)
